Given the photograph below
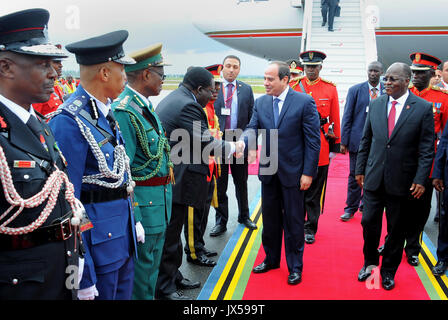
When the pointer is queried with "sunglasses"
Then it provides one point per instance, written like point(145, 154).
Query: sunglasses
point(161, 75)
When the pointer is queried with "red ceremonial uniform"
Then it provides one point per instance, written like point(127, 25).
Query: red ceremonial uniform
point(326, 97)
point(439, 100)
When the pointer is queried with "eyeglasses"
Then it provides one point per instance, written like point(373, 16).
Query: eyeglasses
point(161, 75)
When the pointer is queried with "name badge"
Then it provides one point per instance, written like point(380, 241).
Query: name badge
point(225, 111)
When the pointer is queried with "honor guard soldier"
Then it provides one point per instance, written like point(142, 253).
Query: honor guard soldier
point(149, 156)
point(39, 214)
point(326, 97)
point(423, 69)
point(296, 70)
point(196, 222)
point(99, 167)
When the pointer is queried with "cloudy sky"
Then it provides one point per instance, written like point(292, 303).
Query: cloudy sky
point(148, 22)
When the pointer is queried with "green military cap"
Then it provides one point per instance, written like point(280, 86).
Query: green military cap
point(147, 57)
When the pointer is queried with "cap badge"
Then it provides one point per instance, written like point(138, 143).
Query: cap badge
point(311, 55)
point(293, 65)
point(418, 56)
point(219, 69)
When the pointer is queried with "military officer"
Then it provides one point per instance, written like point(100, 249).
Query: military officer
point(149, 156)
point(37, 240)
point(296, 70)
point(99, 167)
point(423, 68)
point(326, 97)
point(196, 221)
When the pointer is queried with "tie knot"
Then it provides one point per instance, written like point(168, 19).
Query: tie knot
point(394, 103)
point(230, 85)
point(276, 100)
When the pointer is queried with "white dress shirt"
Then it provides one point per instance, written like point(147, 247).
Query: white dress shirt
point(399, 106)
point(282, 98)
point(104, 108)
point(20, 112)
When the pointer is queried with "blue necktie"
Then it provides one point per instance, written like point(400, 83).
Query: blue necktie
point(276, 113)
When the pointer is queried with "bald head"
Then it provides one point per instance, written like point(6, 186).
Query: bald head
point(397, 79)
point(402, 68)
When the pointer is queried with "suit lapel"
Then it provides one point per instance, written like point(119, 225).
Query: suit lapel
point(22, 137)
point(408, 108)
point(270, 111)
point(285, 107)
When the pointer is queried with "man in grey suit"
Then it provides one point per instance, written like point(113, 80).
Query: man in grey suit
point(234, 109)
point(394, 160)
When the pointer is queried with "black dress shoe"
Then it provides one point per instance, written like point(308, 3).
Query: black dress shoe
point(218, 230)
point(330, 29)
point(347, 216)
point(248, 224)
point(413, 260)
point(323, 24)
point(309, 238)
point(186, 284)
point(202, 261)
point(177, 295)
point(209, 254)
point(365, 273)
point(294, 278)
point(440, 268)
point(263, 267)
point(388, 282)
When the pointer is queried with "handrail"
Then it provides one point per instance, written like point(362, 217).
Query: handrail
point(307, 22)
point(370, 20)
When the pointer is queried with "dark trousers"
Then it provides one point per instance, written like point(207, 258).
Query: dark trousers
point(442, 242)
point(418, 213)
point(354, 192)
point(283, 212)
point(328, 10)
point(195, 225)
point(314, 199)
point(396, 214)
point(240, 176)
point(172, 252)
point(118, 284)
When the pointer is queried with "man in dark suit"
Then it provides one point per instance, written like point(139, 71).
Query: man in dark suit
point(394, 161)
point(37, 246)
point(234, 109)
point(293, 134)
point(182, 116)
point(328, 9)
point(355, 112)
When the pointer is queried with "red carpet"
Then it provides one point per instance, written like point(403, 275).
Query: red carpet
point(332, 263)
point(252, 168)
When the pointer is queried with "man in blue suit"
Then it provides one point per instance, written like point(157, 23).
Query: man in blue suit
point(99, 168)
point(292, 118)
point(355, 112)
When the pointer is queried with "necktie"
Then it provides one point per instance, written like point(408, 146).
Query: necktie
point(36, 128)
point(391, 119)
point(276, 111)
point(111, 119)
point(373, 93)
point(229, 105)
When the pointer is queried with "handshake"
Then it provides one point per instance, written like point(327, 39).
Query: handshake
point(239, 149)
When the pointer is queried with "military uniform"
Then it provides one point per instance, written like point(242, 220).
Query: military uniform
point(99, 170)
point(327, 102)
point(149, 156)
point(36, 249)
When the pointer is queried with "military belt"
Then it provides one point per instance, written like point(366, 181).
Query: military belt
point(60, 231)
point(105, 195)
point(154, 181)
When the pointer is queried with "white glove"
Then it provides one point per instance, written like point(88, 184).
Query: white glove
point(140, 232)
point(88, 293)
point(332, 155)
point(80, 270)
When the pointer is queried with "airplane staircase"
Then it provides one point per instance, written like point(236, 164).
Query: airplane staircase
point(348, 48)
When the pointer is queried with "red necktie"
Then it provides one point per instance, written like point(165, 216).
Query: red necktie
point(228, 104)
point(391, 119)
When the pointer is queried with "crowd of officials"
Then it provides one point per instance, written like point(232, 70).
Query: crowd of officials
point(95, 198)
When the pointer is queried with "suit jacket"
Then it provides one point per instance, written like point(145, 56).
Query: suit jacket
point(33, 265)
point(179, 110)
point(112, 239)
point(298, 136)
point(404, 158)
point(355, 113)
point(245, 105)
point(152, 204)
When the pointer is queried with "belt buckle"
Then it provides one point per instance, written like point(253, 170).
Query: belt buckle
point(63, 224)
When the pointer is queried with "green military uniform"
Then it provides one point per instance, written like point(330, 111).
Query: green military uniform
point(148, 151)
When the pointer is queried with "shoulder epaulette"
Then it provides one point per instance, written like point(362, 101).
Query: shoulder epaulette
point(74, 106)
point(328, 81)
point(121, 104)
point(439, 89)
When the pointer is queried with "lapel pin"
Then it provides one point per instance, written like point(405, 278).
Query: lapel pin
point(408, 107)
